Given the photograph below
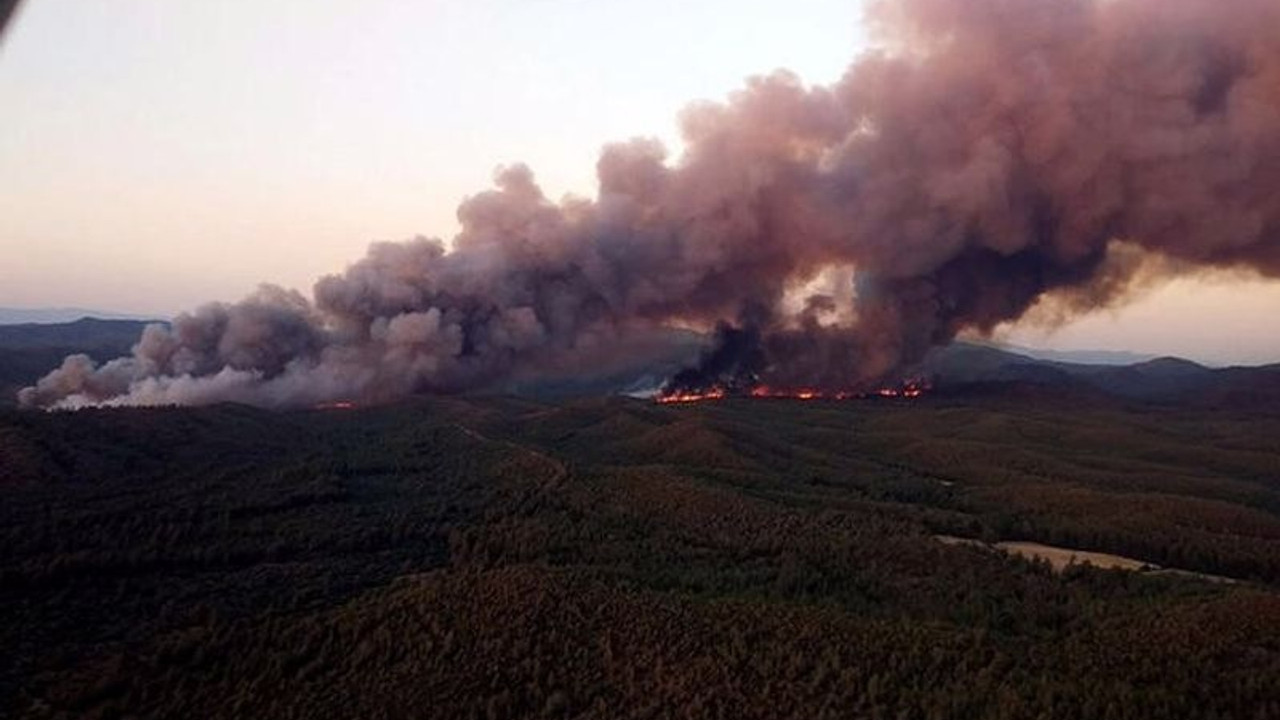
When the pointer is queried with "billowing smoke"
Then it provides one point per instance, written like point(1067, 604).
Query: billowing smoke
point(990, 154)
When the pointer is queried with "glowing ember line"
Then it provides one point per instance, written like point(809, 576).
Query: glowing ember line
point(907, 390)
point(692, 397)
point(337, 405)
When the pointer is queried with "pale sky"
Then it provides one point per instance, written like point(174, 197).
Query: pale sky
point(156, 154)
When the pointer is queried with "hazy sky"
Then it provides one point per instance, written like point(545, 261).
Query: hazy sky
point(156, 154)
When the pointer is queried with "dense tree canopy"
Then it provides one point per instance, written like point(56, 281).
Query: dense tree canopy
point(500, 558)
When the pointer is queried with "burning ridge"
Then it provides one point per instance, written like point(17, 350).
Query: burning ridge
point(906, 389)
point(991, 155)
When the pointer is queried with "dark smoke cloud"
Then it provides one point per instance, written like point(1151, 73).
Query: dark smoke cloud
point(992, 153)
point(7, 11)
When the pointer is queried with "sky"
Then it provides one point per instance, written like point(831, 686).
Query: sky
point(155, 155)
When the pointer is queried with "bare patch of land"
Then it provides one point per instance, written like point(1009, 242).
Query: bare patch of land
point(1060, 558)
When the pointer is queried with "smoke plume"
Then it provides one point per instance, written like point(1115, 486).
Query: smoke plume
point(988, 154)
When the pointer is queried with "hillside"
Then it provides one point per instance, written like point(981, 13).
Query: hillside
point(1164, 380)
point(603, 558)
point(86, 333)
point(58, 315)
point(29, 350)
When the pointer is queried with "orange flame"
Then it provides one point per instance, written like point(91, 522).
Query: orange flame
point(909, 389)
point(691, 397)
point(336, 405)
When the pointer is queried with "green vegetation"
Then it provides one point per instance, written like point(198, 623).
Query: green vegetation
point(502, 558)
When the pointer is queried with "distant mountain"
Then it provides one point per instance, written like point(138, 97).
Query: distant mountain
point(1087, 357)
point(29, 350)
point(962, 363)
point(84, 334)
point(14, 316)
point(1164, 380)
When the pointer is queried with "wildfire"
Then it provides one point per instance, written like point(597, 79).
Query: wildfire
point(691, 397)
point(764, 391)
point(910, 389)
point(336, 405)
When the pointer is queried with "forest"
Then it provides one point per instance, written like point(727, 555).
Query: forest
point(498, 557)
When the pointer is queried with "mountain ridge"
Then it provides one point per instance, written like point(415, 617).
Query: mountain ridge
point(29, 350)
point(60, 315)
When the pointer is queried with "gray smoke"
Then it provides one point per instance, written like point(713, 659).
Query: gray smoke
point(992, 153)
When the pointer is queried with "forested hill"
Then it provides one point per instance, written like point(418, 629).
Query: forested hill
point(611, 558)
point(86, 333)
point(29, 350)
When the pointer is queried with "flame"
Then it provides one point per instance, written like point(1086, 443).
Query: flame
point(336, 405)
point(714, 393)
point(908, 389)
point(764, 391)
